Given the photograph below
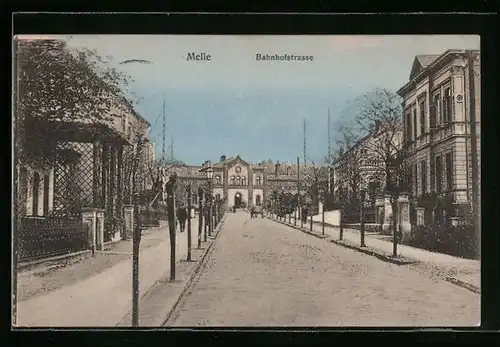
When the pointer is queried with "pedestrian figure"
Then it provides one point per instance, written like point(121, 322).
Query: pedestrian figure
point(182, 216)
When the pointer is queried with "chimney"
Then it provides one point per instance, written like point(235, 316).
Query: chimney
point(222, 157)
point(277, 167)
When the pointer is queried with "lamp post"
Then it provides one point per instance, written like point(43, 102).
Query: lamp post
point(210, 175)
point(200, 216)
point(362, 217)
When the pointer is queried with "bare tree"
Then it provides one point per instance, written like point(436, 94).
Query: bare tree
point(314, 181)
point(376, 127)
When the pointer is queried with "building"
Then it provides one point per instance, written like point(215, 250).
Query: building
point(360, 167)
point(437, 118)
point(241, 183)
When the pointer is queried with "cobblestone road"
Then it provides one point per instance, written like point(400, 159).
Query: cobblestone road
point(262, 273)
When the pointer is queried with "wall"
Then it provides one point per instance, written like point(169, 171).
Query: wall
point(232, 172)
point(331, 217)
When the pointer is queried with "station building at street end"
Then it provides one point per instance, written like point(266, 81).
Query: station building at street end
point(241, 183)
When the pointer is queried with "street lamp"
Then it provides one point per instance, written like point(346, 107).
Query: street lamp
point(210, 176)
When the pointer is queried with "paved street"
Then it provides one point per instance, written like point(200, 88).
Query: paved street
point(262, 273)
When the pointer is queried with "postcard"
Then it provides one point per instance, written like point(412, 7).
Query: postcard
point(246, 181)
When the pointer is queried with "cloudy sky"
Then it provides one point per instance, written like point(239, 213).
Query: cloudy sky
point(235, 104)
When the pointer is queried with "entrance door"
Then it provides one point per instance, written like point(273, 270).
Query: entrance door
point(237, 200)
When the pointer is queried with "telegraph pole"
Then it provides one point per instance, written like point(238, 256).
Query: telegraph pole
point(189, 222)
point(473, 138)
point(298, 193)
point(305, 142)
point(164, 132)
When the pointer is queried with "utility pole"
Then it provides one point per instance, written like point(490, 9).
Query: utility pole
point(136, 240)
point(305, 142)
point(473, 138)
point(200, 215)
point(189, 222)
point(329, 137)
point(164, 132)
point(171, 185)
point(299, 207)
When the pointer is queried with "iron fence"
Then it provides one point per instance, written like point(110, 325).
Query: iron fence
point(51, 236)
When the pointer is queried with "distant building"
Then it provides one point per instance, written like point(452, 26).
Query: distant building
point(437, 118)
point(242, 183)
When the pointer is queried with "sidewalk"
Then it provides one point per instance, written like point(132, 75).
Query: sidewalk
point(103, 299)
point(432, 263)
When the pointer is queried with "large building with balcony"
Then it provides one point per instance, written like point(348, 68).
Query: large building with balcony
point(437, 120)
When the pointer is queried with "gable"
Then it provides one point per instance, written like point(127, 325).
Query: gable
point(416, 68)
point(238, 161)
point(420, 63)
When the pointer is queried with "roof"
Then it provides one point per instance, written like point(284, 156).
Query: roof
point(424, 62)
point(421, 62)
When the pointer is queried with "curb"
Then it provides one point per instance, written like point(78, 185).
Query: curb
point(299, 228)
point(199, 266)
point(383, 257)
point(463, 284)
point(46, 262)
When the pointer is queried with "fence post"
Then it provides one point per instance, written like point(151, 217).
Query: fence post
point(323, 221)
point(341, 232)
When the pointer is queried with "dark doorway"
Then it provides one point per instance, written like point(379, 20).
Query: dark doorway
point(237, 200)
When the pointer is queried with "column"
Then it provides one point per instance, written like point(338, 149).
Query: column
point(89, 218)
point(119, 191)
point(387, 224)
point(404, 216)
point(100, 229)
point(128, 218)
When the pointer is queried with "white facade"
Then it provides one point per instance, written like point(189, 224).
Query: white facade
point(437, 125)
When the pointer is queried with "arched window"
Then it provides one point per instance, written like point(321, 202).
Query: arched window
point(232, 180)
point(36, 187)
point(243, 181)
point(257, 181)
point(217, 196)
point(217, 180)
point(238, 180)
point(257, 200)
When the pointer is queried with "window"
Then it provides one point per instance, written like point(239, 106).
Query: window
point(422, 117)
point(439, 173)
point(446, 106)
point(46, 195)
point(414, 123)
point(217, 197)
point(243, 181)
point(408, 125)
point(415, 179)
point(232, 180)
point(435, 112)
point(36, 187)
point(423, 176)
point(257, 181)
point(449, 171)
point(217, 179)
point(238, 180)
